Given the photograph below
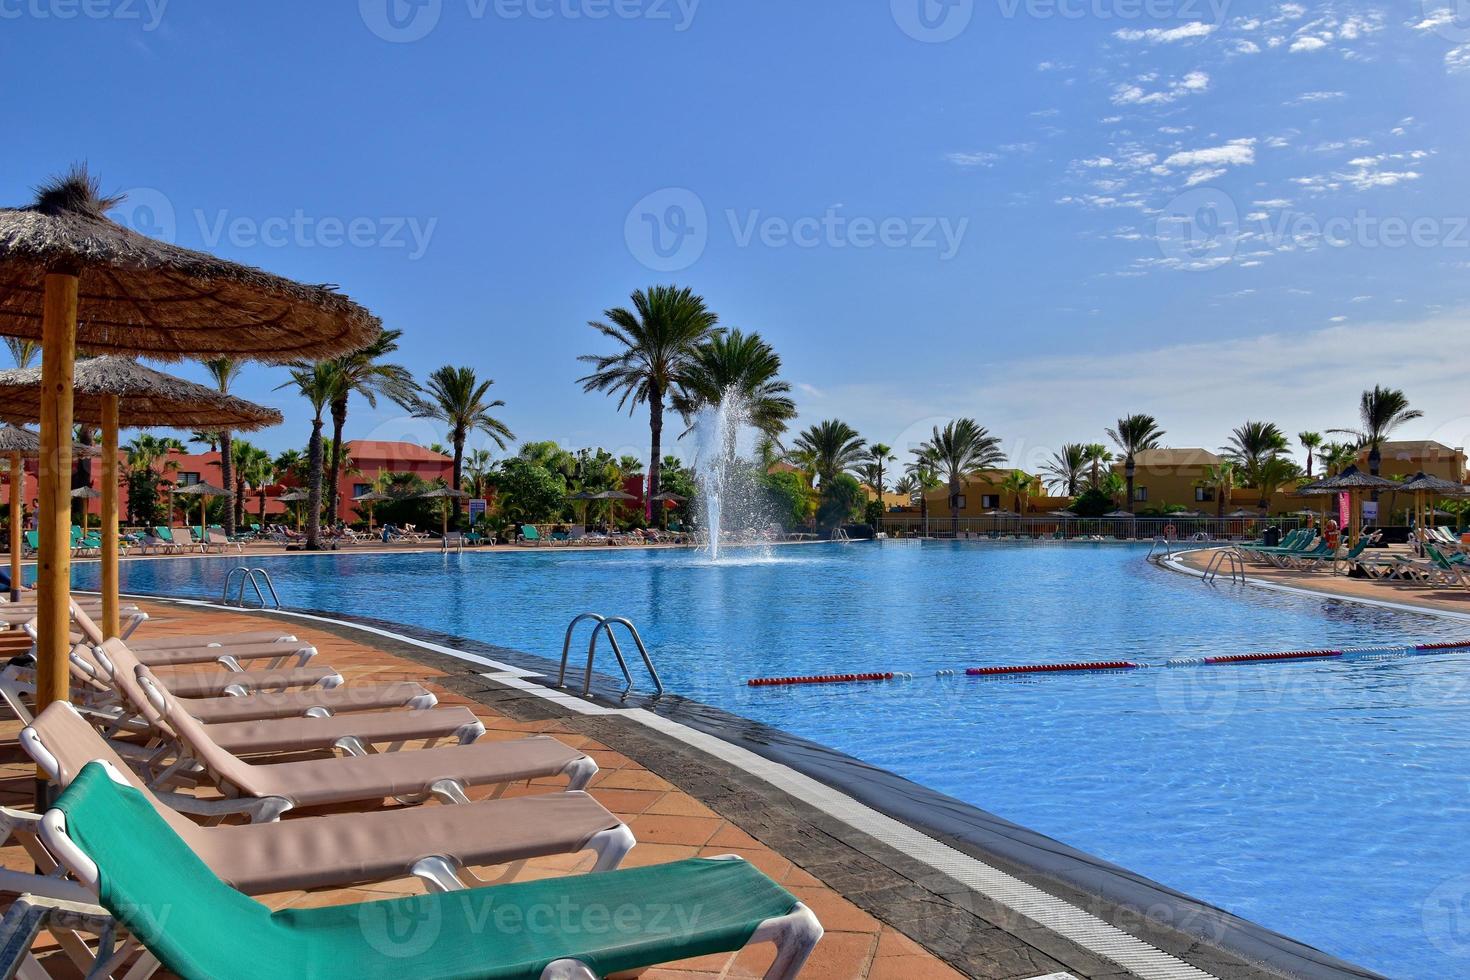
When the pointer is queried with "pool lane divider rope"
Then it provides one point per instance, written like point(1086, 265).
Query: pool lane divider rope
point(1121, 666)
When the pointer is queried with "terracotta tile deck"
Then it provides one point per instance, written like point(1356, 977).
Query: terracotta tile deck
point(669, 824)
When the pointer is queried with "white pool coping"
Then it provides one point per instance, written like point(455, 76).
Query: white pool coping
point(1086, 930)
point(1174, 564)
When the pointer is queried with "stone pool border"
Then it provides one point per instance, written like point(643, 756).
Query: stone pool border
point(972, 888)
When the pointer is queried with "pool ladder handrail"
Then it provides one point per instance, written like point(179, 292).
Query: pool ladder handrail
point(605, 625)
point(255, 578)
point(1153, 548)
point(1228, 558)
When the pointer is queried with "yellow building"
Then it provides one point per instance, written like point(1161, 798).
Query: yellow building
point(1408, 458)
point(982, 492)
point(1169, 478)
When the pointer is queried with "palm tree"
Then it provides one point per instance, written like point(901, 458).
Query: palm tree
point(1221, 479)
point(253, 468)
point(1068, 467)
point(318, 383)
point(1337, 456)
point(1134, 434)
point(223, 371)
point(292, 462)
point(656, 342)
point(259, 470)
point(205, 438)
point(732, 361)
point(1274, 474)
point(1252, 445)
point(1380, 412)
point(1021, 485)
point(362, 373)
point(961, 449)
point(830, 448)
point(24, 351)
point(478, 466)
point(1309, 441)
point(460, 400)
point(879, 456)
point(921, 478)
point(1097, 455)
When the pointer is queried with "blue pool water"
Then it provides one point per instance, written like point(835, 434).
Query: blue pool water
point(1325, 800)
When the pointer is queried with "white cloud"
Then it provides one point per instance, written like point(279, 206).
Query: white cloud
point(1275, 202)
point(1308, 43)
point(1192, 83)
point(1159, 35)
point(1235, 153)
point(1201, 176)
point(1247, 47)
point(1458, 59)
point(1337, 319)
point(972, 160)
point(1435, 19)
point(1309, 97)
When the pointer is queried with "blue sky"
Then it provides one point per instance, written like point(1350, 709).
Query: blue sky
point(1040, 213)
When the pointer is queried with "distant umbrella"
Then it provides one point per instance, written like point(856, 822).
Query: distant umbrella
point(1062, 513)
point(295, 497)
point(443, 493)
point(370, 498)
point(203, 490)
point(669, 496)
point(1119, 513)
point(85, 493)
point(1242, 513)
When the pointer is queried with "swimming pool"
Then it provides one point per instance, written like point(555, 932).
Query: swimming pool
point(1324, 800)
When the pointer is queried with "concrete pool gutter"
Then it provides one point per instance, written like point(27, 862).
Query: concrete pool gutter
point(973, 888)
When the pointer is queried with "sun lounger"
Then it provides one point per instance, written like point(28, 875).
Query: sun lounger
point(353, 732)
point(439, 844)
point(444, 772)
point(113, 840)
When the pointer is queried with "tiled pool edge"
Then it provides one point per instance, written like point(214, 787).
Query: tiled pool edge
point(1231, 944)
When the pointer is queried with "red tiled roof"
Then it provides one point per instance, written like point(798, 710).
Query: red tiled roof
point(370, 449)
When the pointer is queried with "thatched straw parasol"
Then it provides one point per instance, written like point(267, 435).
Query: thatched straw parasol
point(295, 497)
point(70, 275)
point(1350, 481)
point(443, 493)
point(610, 496)
point(203, 490)
point(86, 493)
point(1424, 486)
point(370, 498)
point(117, 392)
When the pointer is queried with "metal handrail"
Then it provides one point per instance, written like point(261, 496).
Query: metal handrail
point(255, 578)
point(605, 625)
point(1221, 558)
point(1153, 548)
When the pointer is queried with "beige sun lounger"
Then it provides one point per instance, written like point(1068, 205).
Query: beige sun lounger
point(225, 651)
point(444, 772)
point(352, 732)
point(312, 700)
point(437, 843)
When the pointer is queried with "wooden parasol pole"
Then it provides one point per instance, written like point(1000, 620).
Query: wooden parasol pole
point(111, 619)
point(17, 521)
point(53, 563)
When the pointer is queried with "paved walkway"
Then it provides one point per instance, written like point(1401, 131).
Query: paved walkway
point(669, 823)
point(1442, 599)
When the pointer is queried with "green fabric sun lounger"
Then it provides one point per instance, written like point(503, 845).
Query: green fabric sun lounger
point(116, 844)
